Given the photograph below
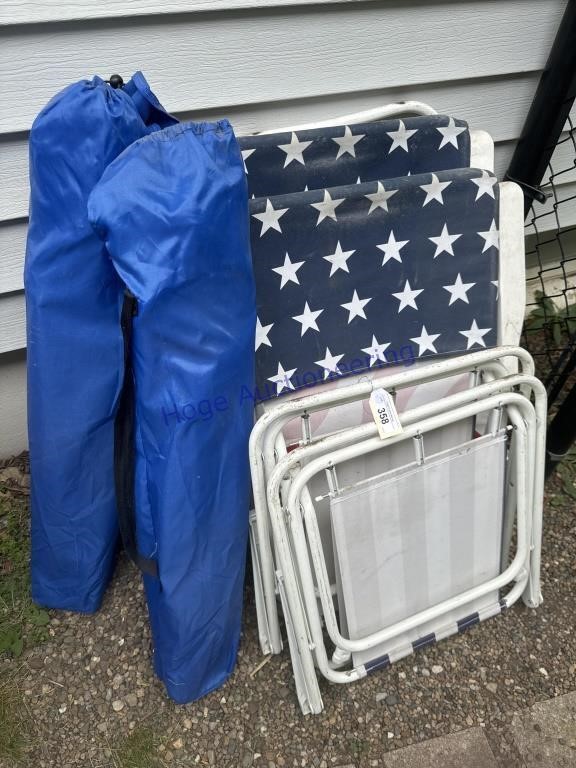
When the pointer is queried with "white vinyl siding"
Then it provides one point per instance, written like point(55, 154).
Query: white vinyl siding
point(261, 63)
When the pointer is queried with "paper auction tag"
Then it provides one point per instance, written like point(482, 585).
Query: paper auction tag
point(384, 413)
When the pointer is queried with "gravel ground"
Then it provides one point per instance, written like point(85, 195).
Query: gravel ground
point(91, 684)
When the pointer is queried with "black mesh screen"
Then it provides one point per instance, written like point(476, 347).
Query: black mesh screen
point(550, 328)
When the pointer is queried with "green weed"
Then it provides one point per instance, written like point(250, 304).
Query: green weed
point(557, 320)
point(22, 624)
point(138, 750)
point(13, 723)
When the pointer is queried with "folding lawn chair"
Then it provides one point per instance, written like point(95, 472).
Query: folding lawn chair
point(296, 586)
point(385, 620)
point(274, 164)
point(270, 425)
point(508, 331)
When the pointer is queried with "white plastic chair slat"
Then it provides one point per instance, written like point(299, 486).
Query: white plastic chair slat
point(400, 109)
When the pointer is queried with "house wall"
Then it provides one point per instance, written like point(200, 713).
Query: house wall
point(261, 63)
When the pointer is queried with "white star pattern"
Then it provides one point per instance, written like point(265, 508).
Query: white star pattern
point(245, 155)
point(475, 335)
point(339, 259)
point(308, 319)
point(450, 134)
point(426, 341)
point(444, 242)
point(434, 190)
point(379, 199)
point(459, 290)
point(262, 332)
point(270, 218)
point(400, 137)
point(407, 297)
point(347, 143)
point(327, 208)
point(295, 150)
point(495, 284)
point(282, 379)
point(288, 271)
point(485, 184)
point(376, 351)
point(392, 248)
point(330, 363)
point(356, 307)
point(491, 237)
point(441, 273)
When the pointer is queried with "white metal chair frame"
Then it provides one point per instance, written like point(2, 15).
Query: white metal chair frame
point(267, 431)
point(307, 626)
point(368, 431)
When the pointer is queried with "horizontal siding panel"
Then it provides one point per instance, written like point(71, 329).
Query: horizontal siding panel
point(498, 105)
point(25, 12)
point(495, 104)
point(13, 437)
point(12, 322)
point(14, 186)
point(12, 247)
point(248, 57)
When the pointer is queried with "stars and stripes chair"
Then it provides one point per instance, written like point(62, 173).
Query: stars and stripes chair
point(304, 233)
point(332, 151)
point(284, 325)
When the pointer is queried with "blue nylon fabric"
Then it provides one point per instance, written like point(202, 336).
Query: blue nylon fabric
point(73, 299)
point(173, 211)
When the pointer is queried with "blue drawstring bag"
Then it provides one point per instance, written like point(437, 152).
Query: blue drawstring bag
point(173, 212)
point(73, 302)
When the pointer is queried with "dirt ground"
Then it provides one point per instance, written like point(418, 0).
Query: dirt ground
point(84, 694)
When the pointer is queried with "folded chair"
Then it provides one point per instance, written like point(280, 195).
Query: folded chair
point(274, 165)
point(270, 425)
point(296, 586)
point(384, 618)
point(507, 325)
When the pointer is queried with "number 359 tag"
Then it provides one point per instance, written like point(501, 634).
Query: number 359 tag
point(384, 413)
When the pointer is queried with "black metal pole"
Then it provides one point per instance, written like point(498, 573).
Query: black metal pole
point(547, 116)
point(568, 364)
point(561, 432)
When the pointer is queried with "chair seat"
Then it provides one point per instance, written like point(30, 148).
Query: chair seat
point(416, 536)
point(354, 278)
